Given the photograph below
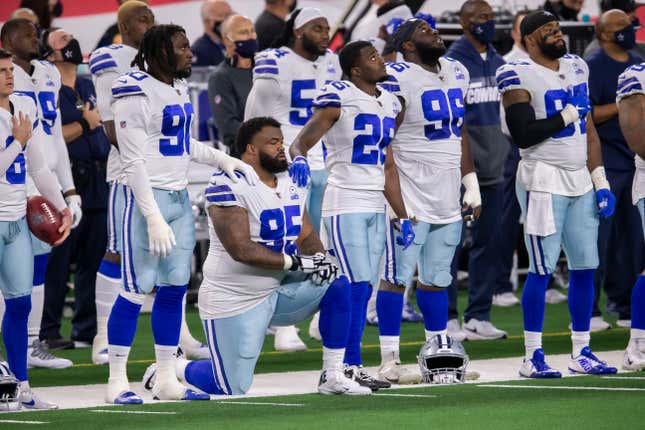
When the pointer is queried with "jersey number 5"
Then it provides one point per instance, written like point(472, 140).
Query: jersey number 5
point(175, 125)
point(299, 103)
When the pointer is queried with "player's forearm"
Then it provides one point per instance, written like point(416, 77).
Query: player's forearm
point(467, 162)
point(603, 113)
point(594, 153)
point(256, 255)
point(393, 187)
point(310, 244)
point(528, 131)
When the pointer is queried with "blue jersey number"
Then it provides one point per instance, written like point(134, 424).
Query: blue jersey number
point(370, 148)
point(444, 112)
point(554, 102)
point(16, 173)
point(276, 224)
point(47, 103)
point(175, 126)
point(300, 103)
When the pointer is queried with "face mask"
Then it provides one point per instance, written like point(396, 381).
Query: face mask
point(484, 32)
point(626, 38)
point(72, 52)
point(246, 48)
point(57, 10)
point(216, 28)
point(293, 6)
point(636, 23)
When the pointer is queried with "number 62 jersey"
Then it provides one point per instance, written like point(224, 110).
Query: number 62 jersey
point(152, 121)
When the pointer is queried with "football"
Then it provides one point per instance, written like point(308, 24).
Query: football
point(43, 219)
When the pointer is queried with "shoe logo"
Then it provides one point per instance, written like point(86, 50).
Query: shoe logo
point(323, 378)
point(32, 402)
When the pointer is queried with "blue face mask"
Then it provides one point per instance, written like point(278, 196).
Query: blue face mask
point(246, 48)
point(484, 32)
point(626, 37)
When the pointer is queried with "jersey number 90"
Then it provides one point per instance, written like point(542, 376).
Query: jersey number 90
point(175, 125)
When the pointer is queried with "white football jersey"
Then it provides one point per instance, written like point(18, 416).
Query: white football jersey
point(299, 80)
point(107, 64)
point(559, 164)
point(427, 145)
point(152, 122)
point(13, 182)
point(631, 82)
point(275, 217)
point(356, 145)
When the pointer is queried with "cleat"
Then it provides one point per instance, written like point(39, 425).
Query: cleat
point(596, 324)
point(633, 359)
point(360, 375)
point(553, 297)
point(128, 398)
point(334, 381)
point(482, 330)
point(505, 300)
point(314, 330)
point(537, 368)
point(395, 373)
point(624, 322)
point(100, 349)
point(410, 314)
point(149, 376)
point(191, 395)
point(587, 363)
point(29, 400)
point(119, 393)
point(454, 330)
point(371, 317)
point(39, 356)
point(287, 339)
point(198, 352)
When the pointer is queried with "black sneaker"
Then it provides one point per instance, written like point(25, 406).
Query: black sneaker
point(360, 375)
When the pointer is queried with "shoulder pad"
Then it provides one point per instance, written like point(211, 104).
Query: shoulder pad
point(507, 76)
point(222, 191)
point(395, 67)
point(101, 60)
point(330, 95)
point(392, 84)
point(571, 57)
point(267, 62)
point(630, 82)
point(129, 84)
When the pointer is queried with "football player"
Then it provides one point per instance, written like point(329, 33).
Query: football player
point(152, 117)
point(285, 81)
point(20, 154)
point(357, 120)
point(630, 96)
point(546, 102)
point(262, 241)
point(40, 80)
point(433, 158)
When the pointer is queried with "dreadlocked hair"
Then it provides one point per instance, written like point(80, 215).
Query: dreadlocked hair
point(286, 37)
point(156, 49)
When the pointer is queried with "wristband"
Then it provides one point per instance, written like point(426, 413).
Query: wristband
point(288, 262)
point(599, 179)
point(569, 114)
point(470, 181)
point(84, 125)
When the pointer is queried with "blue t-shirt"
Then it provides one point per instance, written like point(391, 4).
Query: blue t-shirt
point(603, 79)
point(207, 52)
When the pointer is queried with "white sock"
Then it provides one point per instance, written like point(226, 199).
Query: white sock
point(118, 362)
point(107, 289)
point(637, 336)
point(389, 348)
point(333, 358)
point(165, 356)
point(36, 313)
point(406, 293)
point(430, 334)
point(579, 339)
point(186, 340)
point(532, 341)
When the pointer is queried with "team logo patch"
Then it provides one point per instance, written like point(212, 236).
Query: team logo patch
point(458, 74)
point(217, 99)
point(294, 193)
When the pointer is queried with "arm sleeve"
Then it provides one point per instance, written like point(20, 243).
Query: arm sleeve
point(262, 97)
point(8, 155)
point(132, 141)
point(103, 84)
point(225, 108)
point(205, 154)
point(43, 178)
point(63, 169)
point(526, 130)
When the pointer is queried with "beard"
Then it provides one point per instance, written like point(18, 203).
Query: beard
point(430, 54)
point(273, 165)
point(553, 50)
point(184, 74)
point(311, 47)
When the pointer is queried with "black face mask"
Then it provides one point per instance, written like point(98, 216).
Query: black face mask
point(57, 10)
point(294, 6)
point(72, 52)
point(428, 54)
point(553, 51)
point(273, 165)
point(217, 27)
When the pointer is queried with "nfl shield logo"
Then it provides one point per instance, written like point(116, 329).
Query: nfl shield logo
point(122, 124)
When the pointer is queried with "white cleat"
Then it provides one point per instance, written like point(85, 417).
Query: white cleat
point(482, 330)
point(454, 330)
point(334, 381)
point(172, 389)
point(505, 300)
point(314, 330)
point(29, 400)
point(553, 297)
point(395, 373)
point(596, 324)
point(100, 349)
point(118, 393)
point(287, 339)
point(634, 358)
point(200, 352)
point(624, 323)
point(588, 364)
point(148, 380)
point(39, 356)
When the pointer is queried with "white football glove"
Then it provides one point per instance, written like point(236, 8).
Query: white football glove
point(74, 204)
point(230, 165)
point(161, 239)
point(322, 268)
point(472, 197)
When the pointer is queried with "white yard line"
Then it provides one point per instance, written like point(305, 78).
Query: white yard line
point(563, 387)
point(22, 422)
point(232, 402)
point(403, 395)
point(632, 378)
point(121, 411)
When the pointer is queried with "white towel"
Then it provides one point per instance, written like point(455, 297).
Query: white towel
point(539, 217)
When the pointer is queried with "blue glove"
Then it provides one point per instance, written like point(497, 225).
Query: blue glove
point(299, 171)
point(407, 234)
point(606, 202)
point(580, 101)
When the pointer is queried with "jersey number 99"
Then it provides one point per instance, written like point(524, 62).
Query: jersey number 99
point(275, 224)
point(175, 125)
